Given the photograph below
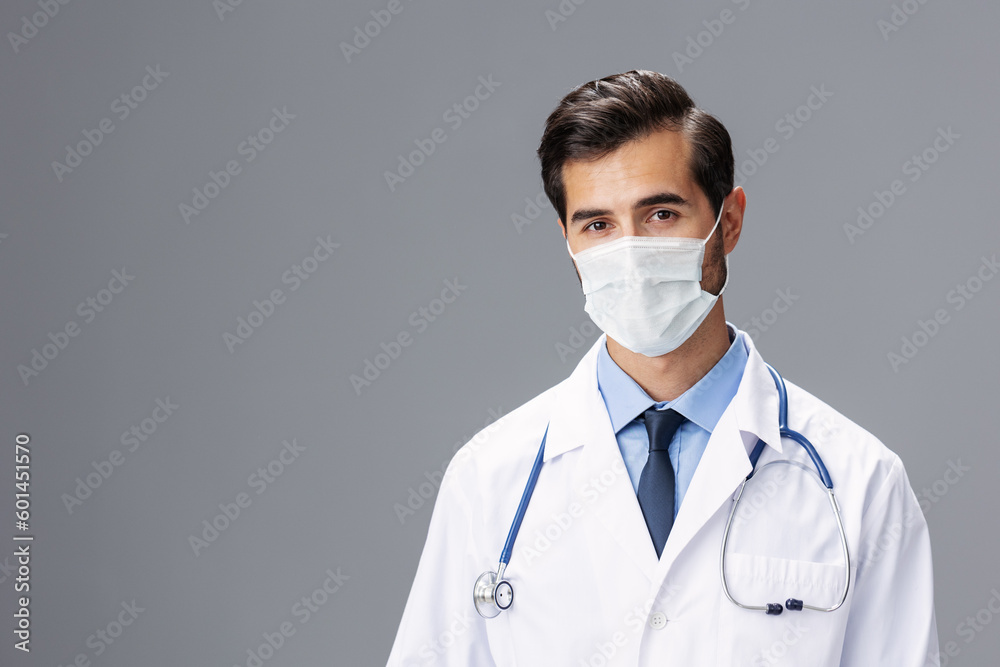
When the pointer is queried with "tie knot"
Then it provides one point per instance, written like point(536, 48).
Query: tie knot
point(661, 426)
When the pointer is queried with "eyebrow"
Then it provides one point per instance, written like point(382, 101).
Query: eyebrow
point(670, 198)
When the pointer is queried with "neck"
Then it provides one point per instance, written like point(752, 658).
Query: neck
point(668, 376)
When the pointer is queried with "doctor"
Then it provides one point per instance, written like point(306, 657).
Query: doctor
point(648, 441)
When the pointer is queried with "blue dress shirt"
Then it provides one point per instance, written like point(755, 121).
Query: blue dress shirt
point(702, 404)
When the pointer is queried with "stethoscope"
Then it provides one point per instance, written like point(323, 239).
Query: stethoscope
point(493, 594)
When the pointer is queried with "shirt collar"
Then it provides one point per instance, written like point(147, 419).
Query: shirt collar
point(703, 403)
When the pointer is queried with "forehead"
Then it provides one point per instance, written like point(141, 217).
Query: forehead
point(660, 160)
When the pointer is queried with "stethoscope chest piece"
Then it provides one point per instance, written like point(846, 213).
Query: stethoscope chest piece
point(491, 597)
point(493, 594)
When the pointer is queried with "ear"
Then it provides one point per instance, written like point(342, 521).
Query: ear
point(732, 218)
point(562, 227)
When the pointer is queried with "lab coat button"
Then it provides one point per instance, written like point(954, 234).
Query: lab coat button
point(657, 620)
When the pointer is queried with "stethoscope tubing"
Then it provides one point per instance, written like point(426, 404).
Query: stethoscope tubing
point(488, 598)
point(840, 527)
point(786, 432)
point(522, 508)
point(823, 477)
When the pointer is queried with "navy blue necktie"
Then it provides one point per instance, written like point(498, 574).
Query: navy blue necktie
point(656, 483)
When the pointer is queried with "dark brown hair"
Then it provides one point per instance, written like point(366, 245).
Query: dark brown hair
point(597, 118)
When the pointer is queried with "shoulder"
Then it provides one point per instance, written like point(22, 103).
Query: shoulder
point(883, 518)
point(861, 465)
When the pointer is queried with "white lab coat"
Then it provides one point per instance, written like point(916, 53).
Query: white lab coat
point(588, 587)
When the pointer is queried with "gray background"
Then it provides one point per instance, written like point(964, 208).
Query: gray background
point(496, 345)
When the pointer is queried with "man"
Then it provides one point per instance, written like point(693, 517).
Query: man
point(647, 443)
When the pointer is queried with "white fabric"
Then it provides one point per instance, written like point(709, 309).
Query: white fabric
point(588, 588)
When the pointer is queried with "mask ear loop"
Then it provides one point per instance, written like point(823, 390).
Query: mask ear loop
point(715, 226)
point(726, 256)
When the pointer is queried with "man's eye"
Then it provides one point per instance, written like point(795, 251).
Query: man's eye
point(657, 213)
point(594, 225)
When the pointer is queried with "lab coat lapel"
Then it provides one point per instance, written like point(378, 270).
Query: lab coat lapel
point(723, 466)
point(580, 418)
point(752, 413)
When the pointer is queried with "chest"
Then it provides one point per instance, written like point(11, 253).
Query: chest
point(588, 589)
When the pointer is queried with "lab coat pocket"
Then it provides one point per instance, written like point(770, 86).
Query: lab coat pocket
point(794, 637)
